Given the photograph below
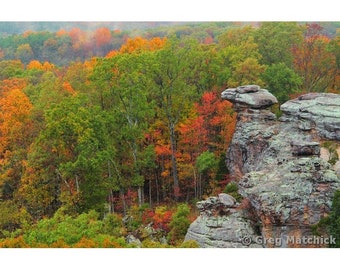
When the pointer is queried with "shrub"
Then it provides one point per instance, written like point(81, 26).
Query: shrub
point(189, 244)
point(334, 219)
point(232, 189)
point(179, 224)
point(113, 225)
point(17, 242)
point(147, 243)
point(162, 218)
point(12, 217)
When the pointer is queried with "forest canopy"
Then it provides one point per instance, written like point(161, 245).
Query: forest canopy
point(101, 124)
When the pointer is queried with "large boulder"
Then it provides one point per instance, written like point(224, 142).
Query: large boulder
point(249, 96)
point(220, 224)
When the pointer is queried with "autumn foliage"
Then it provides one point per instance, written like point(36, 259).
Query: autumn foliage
point(107, 133)
point(139, 44)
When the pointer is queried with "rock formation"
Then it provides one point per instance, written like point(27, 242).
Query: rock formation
point(279, 169)
point(221, 224)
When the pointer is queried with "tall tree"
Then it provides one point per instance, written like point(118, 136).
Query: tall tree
point(16, 129)
point(275, 41)
point(281, 81)
point(126, 83)
point(67, 163)
point(174, 90)
point(239, 57)
point(313, 60)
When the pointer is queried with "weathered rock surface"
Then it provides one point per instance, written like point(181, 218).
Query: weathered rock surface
point(130, 239)
point(315, 111)
point(280, 166)
point(292, 197)
point(221, 225)
point(249, 96)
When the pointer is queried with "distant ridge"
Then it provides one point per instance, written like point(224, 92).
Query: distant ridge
point(10, 28)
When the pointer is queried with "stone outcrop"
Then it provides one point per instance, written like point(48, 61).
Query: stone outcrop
point(280, 165)
point(315, 111)
point(256, 124)
point(220, 224)
point(249, 96)
point(291, 198)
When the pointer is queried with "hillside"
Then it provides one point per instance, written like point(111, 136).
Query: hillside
point(111, 133)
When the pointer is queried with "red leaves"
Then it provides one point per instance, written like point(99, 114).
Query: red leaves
point(160, 218)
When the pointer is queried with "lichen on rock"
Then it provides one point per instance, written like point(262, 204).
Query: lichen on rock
point(280, 168)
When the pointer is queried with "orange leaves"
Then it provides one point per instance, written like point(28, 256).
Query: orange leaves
point(35, 64)
point(102, 36)
point(15, 109)
point(219, 119)
point(313, 60)
point(15, 129)
point(163, 150)
point(7, 85)
point(139, 44)
point(135, 44)
point(112, 54)
point(68, 88)
point(61, 32)
point(17, 242)
point(156, 43)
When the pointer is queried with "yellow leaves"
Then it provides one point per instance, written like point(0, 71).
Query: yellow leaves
point(15, 109)
point(247, 72)
point(165, 174)
point(47, 66)
point(112, 54)
point(7, 85)
point(139, 44)
point(35, 64)
point(17, 242)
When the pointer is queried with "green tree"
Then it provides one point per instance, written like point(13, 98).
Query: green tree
point(174, 90)
point(239, 56)
point(275, 41)
point(281, 81)
point(10, 69)
point(24, 53)
point(179, 224)
point(125, 85)
point(68, 161)
point(315, 61)
point(206, 165)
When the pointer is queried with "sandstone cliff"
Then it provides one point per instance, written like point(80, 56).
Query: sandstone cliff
point(279, 170)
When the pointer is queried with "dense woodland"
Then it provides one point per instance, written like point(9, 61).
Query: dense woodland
point(105, 133)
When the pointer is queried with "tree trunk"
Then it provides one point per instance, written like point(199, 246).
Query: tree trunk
point(111, 204)
point(140, 199)
point(150, 195)
point(122, 196)
point(157, 187)
point(174, 161)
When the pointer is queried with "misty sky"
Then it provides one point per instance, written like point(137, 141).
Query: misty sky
point(174, 10)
